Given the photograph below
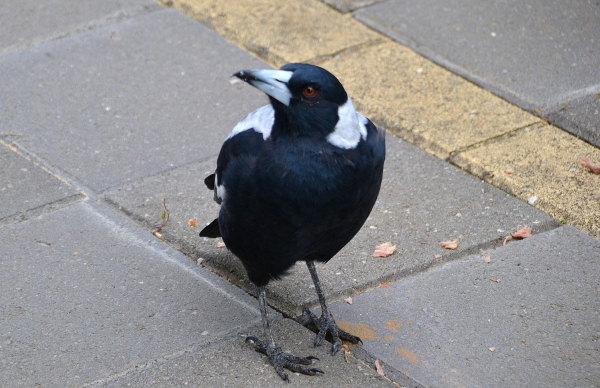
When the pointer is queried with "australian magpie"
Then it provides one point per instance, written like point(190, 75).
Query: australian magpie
point(296, 180)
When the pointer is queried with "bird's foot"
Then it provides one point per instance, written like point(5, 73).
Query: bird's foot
point(281, 360)
point(326, 324)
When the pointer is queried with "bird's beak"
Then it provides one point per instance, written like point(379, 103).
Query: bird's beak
point(272, 82)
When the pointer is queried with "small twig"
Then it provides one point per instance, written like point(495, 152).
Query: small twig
point(165, 218)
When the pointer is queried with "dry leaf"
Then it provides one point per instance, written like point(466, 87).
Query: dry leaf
point(220, 244)
point(524, 232)
point(492, 349)
point(385, 284)
point(587, 163)
point(450, 244)
point(384, 250)
point(507, 239)
point(192, 223)
point(538, 111)
point(379, 368)
point(488, 258)
point(348, 300)
point(495, 280)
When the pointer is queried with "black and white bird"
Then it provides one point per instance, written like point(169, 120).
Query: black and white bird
point(296, 180)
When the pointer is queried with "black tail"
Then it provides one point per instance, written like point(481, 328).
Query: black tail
point(212, 230)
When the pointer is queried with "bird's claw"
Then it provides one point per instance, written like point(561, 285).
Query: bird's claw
point(281, 360)
point(326, 324)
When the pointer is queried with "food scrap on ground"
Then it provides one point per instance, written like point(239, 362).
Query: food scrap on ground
point(450, 244)
point(593, 167)
point(524, 232)
point(220, 244)
point(192, 223)
point(521, 233)
point(488, 258)
point(384, 250)
point(379, 368)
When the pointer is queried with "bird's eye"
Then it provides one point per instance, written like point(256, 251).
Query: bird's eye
point(309, 91)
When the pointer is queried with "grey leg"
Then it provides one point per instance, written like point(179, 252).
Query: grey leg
point(326, 323)
point(278, 358)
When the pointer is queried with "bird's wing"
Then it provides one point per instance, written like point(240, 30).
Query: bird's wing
point(243, 143)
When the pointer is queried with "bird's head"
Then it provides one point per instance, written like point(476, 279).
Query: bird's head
point(307, 99)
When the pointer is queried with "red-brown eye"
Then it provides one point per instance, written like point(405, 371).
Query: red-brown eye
point(309, 91)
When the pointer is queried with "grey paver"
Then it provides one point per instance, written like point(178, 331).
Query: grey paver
point(126, 100)
point(581, 118)
point(21, 21)
point(233, 363)
point(424, 201)
point(452, 326)
point(25, 186)
point(535, 53)
point(84, 297)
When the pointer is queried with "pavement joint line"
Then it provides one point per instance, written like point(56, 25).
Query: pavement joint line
point(497, 138)
point(557, 105)
point(119, 230)
point(39, 210)
point(41, 163)
point(170, 356)
point(323, 58)
point(115, 17)
point(133, 233)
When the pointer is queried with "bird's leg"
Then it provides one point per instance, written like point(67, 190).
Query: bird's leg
point(278, 358)
point(326, 323)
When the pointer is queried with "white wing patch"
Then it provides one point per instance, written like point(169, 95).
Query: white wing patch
point(261, 120)
point(350, 128)
point(220, 189)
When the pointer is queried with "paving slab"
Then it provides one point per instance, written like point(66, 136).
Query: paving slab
point(126, 100)
point(22, 21)
point(454, 327)
point(423, 201)
point(543, 162)
point(25, 187)
point(233, 363)
point(84, 298)
point(535, 53)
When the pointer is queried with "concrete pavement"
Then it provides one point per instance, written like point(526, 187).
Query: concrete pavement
point(110, 107)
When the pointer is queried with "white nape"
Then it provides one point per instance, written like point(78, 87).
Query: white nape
point(350, 128)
